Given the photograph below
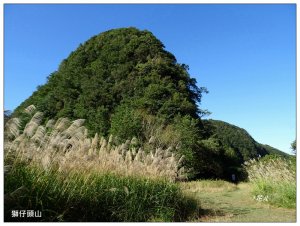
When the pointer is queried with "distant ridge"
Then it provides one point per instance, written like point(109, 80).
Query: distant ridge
point(239, 140)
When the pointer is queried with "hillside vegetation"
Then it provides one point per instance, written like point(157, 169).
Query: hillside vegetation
point(59, 171)
point(68, 176)
point(238, 140)
point(123, 82)
point(111, 75)
point(116, 134)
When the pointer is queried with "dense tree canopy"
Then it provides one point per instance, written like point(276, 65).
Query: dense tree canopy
point(118, 67)
point(123, 82)
point(238, 139)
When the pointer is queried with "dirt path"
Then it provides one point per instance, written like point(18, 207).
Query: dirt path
point(230, 203)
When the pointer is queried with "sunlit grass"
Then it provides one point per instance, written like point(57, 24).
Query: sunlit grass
point(208, 186)
point(274, 181)
point(233, 204)
point(57, 169)
point(96, 197)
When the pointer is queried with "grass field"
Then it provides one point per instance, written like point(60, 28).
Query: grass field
point(93, 198)
point(221, 201)
point(70, 177)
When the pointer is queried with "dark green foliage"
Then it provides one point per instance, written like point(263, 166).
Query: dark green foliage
point(188, 129)
point(273, 151)
point(224, 148)
point(240, 142)
point(216, 160)
point(115, 80)
point(124, 82)
point(294, 146)
point(117, 66)
point(125, 123)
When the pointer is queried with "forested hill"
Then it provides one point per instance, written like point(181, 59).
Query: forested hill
point(123, 82)
point(112, 72)
point(239, 140)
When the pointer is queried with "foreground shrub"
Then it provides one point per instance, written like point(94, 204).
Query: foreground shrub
point(274, 180)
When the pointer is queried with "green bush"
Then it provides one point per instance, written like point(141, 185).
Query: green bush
point(125, 123)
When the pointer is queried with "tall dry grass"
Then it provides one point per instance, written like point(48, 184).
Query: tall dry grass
point(56, 168)
point(64, 144)
point(275, 169)
point(274, 180)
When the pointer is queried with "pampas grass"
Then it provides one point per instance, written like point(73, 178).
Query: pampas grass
point(11, 129)
point(57, 169)
point(274, 180)
point(275, 169)
point(64, 144)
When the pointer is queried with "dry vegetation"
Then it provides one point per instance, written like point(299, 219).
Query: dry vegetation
point(208, 186)
point(275, 169)
point(274, 180)
point(65, 145)
point(56, 168)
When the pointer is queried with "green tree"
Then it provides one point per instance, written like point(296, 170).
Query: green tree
point(293, 147)
point(125, 123)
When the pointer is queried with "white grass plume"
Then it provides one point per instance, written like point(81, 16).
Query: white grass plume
point(68, 149)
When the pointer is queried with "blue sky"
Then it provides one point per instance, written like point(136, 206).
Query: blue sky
point(244, 54)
